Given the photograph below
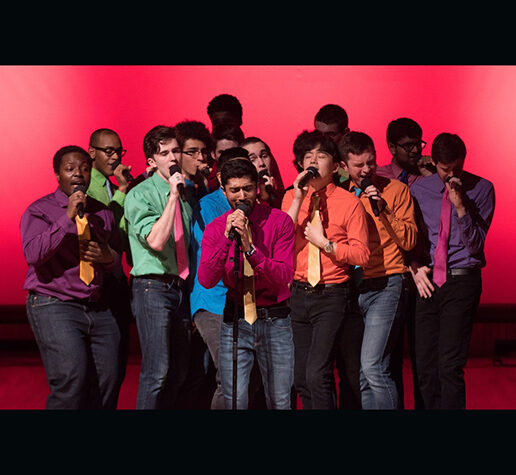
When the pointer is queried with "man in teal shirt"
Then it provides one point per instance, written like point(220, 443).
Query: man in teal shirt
point(159, 236)
point(105, 149)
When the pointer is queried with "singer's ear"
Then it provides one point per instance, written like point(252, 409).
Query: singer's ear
point(91, 151)
point(220, 181)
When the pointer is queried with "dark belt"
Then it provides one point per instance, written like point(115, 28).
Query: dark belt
point(463, 271)
point(170, 279)
point(297, 284)
point(277, 311)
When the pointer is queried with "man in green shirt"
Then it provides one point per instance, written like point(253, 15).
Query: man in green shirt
point(105, 148)
point(159, 236)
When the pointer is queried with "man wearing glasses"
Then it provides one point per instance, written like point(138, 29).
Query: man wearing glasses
point(409, 165)
point(106, 151)
point(195, 147)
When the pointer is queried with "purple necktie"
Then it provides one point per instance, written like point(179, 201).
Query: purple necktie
point(441, 249)
point(181, 258)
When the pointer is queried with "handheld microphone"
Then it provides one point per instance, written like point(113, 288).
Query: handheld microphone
point(312, 173)
point(268, 188)
point(374, 203)
point(233, 233)
point(205, 172)
point(126, 173)
point(80, 206)
point(455, 186)
point(180, 187)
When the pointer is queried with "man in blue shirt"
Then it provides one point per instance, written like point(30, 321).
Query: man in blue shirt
point(445, 306)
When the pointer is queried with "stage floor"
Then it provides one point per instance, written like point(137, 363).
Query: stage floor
point(23, 383)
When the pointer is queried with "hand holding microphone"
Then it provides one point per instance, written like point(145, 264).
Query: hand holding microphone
point(235, 224)
point(366, 183)
point(180, 185)
point(311, 172)
point(455, 193)
point(76, 202)
point(124, 172)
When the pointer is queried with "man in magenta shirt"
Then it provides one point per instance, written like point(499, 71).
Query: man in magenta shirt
point(270, 252)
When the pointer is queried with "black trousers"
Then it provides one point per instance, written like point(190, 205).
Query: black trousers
point(316, 319)
point(443, 326)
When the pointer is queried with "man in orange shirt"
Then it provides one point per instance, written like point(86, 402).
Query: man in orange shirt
point(331, 236)
point(382, 292)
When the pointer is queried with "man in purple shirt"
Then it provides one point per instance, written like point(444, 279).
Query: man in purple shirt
point(445, 311)
point(270, 253)
point(76, 332)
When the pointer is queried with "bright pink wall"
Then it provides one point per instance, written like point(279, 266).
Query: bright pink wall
point(46, 107)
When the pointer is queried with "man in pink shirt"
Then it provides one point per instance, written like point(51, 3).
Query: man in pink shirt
point(269, 251)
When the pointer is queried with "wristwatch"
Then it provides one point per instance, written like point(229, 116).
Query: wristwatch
point(250, 252)
point(328, 247)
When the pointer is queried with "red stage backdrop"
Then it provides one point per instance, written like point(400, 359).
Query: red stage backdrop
point(46, 107)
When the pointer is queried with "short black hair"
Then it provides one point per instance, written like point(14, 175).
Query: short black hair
point(403, 127)
point(69, 149)
point(155, 136)
point(333, 114)
point(193, 129)
point(226, 103)
point(231, 154)
point(97, 133)
point(238, 168)
point(307, 141)
point(356, 143)
point(446, 148)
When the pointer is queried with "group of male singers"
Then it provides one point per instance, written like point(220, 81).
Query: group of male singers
point(292, 277)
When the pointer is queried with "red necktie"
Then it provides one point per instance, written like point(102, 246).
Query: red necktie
point(441, 249)
point(182, 260)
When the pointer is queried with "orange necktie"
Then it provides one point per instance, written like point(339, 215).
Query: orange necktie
point(314, 253)
point(86, 270)
point(249, 295)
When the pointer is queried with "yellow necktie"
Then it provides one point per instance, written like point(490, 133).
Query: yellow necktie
point(86, 270)
point(249, 296)
point(314, 253)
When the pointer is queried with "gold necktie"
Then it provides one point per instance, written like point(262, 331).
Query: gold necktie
point(314, 253)
point(249, 296)
point(86, 270)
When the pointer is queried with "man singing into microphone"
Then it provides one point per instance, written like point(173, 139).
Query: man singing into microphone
point(159, 235)
point(69, 258)
point(457, 208)
point(382, 291)
point(260, 302)
point(106, 152)
point(331, 236)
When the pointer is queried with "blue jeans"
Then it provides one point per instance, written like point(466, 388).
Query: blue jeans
point(163, 340)
point(271, 339)
point(79, 346)
point(382, 302)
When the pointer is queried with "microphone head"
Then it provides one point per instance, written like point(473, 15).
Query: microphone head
point(115, 164)
point(244, 207)
point(367, 181)
point(263, 173)
point(79, 188)
point(313, 171)
point(174, 169)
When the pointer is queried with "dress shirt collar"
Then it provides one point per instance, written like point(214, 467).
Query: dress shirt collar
point(61, 198)
point(324, 193)
point(160, 183)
